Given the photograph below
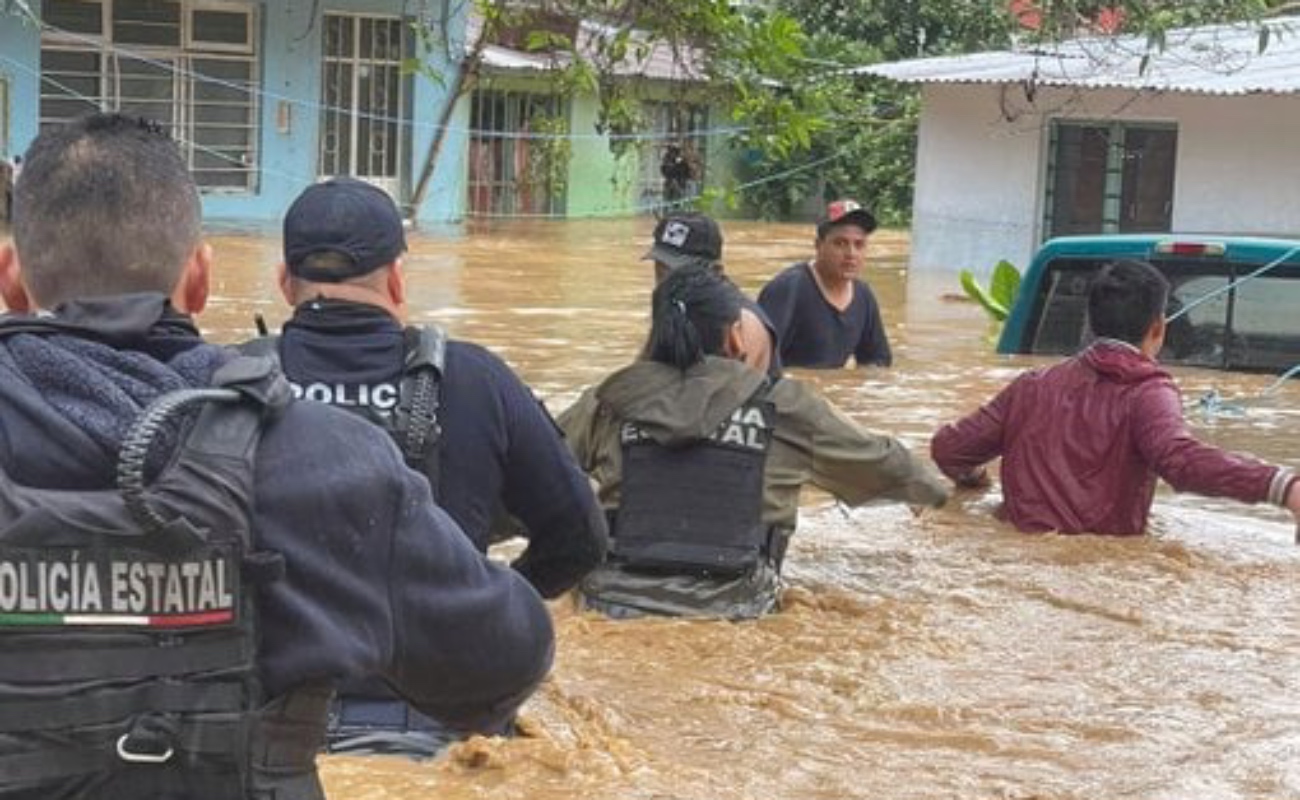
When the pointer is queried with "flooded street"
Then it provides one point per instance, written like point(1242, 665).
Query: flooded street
point(939, 657)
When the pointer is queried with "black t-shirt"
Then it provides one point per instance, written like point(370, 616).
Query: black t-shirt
point(813, 333)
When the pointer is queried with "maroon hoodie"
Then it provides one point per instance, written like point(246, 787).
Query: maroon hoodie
point(1082, 444)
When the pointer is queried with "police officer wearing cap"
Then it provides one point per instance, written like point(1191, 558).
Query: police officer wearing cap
point(824, 313)
point(459, 414)
point(190, 560)
point(692, 239)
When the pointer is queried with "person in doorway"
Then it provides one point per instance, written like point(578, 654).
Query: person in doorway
point(691, 240)
point(699, 461)
point(1082, 442)
point(677, 172)
point(823, 312)
point(205, 593)
point(460, 415)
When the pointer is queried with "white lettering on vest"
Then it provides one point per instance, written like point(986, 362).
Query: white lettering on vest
point(379, 396)
point(67, 584)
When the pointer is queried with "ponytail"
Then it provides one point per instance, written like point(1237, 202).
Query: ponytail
point(691, 310)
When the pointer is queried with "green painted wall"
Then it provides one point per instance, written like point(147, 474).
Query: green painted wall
point(600, 185)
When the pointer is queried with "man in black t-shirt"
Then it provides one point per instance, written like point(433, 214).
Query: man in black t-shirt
point(822, 311)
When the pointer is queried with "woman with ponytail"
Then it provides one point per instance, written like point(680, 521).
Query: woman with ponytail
point(699, 460)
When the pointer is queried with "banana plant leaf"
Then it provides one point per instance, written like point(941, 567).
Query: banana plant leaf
point(977, 293)
point(1005, 283)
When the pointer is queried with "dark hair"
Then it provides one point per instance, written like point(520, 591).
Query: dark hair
point(1125, 298)
point(105, 205)
point(691, 311)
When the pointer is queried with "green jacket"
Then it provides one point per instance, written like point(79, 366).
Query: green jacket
point(813, 442)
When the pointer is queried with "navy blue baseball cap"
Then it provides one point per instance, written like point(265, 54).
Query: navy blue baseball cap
point(346, 216)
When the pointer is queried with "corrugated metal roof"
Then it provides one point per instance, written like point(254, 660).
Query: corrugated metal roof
point(1219, 60)
point(659, 61)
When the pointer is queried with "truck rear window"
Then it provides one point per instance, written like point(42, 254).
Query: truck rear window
point(1253, 326)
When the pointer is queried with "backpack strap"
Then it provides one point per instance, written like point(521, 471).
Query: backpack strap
point(217, 451)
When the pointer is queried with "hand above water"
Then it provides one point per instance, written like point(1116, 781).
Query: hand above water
point(977, 478)
point(1292, 504)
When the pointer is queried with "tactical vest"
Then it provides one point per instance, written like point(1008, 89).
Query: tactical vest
point(128, 621)
point(413, 424)
point(696, 509)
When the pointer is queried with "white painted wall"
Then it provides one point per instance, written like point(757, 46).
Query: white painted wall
point(976, 198)
point(1238, 165)
point(980, 166)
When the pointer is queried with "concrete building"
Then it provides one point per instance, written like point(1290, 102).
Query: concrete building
point(1104, 135)
point(268, 97)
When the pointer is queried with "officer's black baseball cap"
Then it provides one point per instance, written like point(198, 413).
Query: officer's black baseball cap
point(345, 216)
point(846, 212)
point(683, 240)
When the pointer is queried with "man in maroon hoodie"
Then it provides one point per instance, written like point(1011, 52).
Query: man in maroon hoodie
point(1082, 442)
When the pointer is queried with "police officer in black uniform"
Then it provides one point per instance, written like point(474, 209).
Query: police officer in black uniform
point(189, 560)
point(460, 415)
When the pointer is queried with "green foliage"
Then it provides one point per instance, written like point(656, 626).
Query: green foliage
point(1000, 296)
point(811, 130)
point(548, 167)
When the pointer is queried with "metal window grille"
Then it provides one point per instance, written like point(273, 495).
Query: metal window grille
point(671, 123)
point(187, 64)
point(363, 95)
point(1109, 177)
point(507, 171)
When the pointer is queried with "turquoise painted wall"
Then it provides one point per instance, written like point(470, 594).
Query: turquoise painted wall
point(20, 56)
point(290, 49)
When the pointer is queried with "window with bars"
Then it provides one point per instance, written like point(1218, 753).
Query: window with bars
point(1110, 177)
point(190, 65)
point(672, 125)
point(516, 161)
point(363, 99)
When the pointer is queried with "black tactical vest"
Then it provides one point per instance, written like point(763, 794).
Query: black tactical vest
point(128, 621)
point(696, 509)
point(413, 423)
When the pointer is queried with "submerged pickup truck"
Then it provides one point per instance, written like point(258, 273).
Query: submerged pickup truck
point(1235, 301)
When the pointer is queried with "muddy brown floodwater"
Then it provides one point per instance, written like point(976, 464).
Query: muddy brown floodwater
point(939, 657)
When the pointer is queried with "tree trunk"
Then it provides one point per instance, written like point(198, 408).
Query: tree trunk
point(468, 69)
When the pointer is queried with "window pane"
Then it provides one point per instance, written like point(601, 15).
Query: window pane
point(1146, 202)
point(338, 37)
point(149, 22)
point(1063, 309)
point(77, 17)
point(221, 27)
point(1079, 182)
point(1196, 338)
point(148, 89)
point(1264, 332)
point(70, 84)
